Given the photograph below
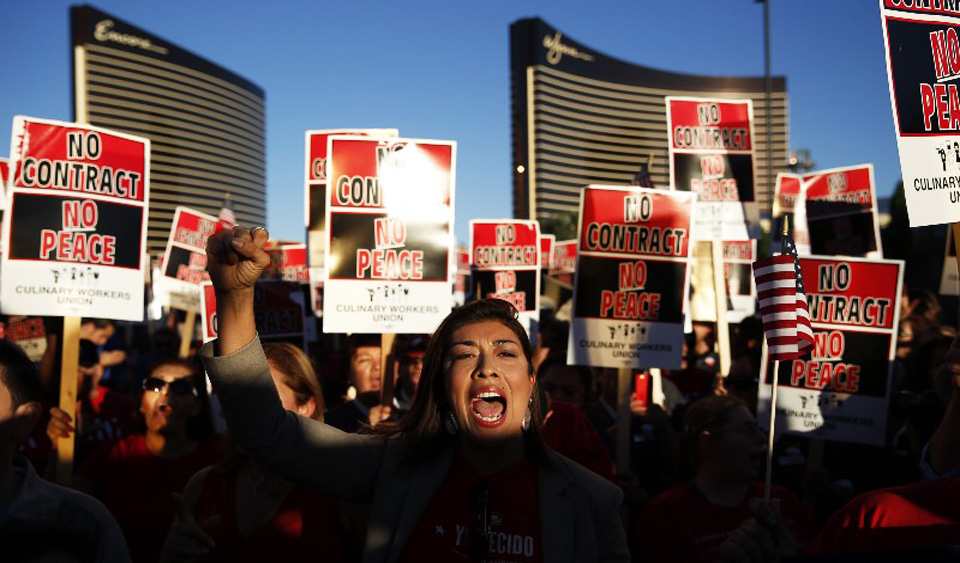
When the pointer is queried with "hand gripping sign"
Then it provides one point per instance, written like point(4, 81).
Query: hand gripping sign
point(841, 391)
point(390, 229)
point(631, 278)
point(922, 41)
point(76, 231)
point(506, 258)
point(315, 191)
point(711, 155)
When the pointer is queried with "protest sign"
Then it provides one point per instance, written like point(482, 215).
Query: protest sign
point(921, 41)
point(75, 233)
point(184, 265)
point(288, 262)
point(740, 299)
point(841, 212)
point(390, 229)
point(29, 333)
point(564, 261)
point(785, 203)
point(315, 191)
point(546, 251)
point(631, 278)
point(949, 279)
point(316, 291)
point(711, 155)
point(841, 391)
point(506, 264)
point(278, 312)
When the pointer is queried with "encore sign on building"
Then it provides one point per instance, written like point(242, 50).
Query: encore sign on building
point(75, 237)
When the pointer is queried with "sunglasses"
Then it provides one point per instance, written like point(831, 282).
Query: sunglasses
point(177, 387)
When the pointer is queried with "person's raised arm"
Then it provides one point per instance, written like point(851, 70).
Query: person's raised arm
point(300, 449)
point(235, 260)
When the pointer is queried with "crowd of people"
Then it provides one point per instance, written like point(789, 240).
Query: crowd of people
point(488, 448)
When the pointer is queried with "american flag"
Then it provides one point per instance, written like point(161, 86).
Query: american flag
point(642, 177)
point(783, 304)
point(227, 218)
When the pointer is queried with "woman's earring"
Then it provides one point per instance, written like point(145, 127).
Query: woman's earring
point(450, 423)
point(525, 425)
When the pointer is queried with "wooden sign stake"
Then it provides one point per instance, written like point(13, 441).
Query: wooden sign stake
point(624, 390)
point(186, 337)
point(387, 368)
point(68, 397)
point(720, 294)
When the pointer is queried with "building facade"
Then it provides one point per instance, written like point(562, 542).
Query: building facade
point(580, 117)
point(205, 123)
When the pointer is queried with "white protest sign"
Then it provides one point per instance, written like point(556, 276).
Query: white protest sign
point(75, 234)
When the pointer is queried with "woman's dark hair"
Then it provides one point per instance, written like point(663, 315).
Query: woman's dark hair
point(200, 425)
point(708, 414)
point(422, 425)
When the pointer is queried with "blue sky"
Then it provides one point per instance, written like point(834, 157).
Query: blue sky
point(439, 69)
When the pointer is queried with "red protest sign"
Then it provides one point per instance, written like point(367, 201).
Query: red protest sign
point(184, 265)
point(631, 277)
point(841, 211)
point(921, 45)
point(546, 251)
point(506, 260)
point(288, 262)
point(711, 155)
point(841, 390)
point(75, 234)
point(278, 312)
point(389, 219)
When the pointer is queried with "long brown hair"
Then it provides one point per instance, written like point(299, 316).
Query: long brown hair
point(422, 425)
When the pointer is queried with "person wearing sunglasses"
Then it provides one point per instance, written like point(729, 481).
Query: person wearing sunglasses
point(463, 475)
point(136, 476)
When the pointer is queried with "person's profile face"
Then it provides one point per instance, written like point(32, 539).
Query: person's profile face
point(488, 381)
point(740, 445)
point(365, 369)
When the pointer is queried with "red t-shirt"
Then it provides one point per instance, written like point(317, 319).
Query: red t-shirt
point(569, 432)
point(682, 525)
point(451, 527)
point(923, 514)
point(137, 486)
point(107, 416)
point(305, 528)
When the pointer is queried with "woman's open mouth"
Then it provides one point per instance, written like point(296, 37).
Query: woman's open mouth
point(488, 406)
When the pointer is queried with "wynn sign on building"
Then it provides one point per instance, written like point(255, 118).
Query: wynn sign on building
point(205, 123)
point(581, 117)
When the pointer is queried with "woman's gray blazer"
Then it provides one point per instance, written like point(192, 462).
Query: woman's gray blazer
point(579, 511)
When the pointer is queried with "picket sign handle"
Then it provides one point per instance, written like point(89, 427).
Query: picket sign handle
point(720, 296)
point(187, 337)
point(773, 422)
point(387, 370)
point(69, 367)
point(624, 387)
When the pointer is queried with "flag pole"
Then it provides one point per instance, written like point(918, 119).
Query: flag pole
point(773, 419)
point(784, 233)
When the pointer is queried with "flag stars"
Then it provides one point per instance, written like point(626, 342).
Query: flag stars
point(439, 530)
